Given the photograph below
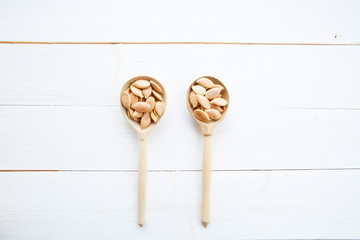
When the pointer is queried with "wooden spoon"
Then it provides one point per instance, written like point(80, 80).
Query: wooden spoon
point(207, 130)
point(143, 134)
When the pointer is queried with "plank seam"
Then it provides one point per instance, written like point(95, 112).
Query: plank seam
point(177, 43)
point(116, 106)
point(191, 170)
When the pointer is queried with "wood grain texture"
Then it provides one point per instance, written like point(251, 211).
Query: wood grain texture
point(254, 205)
point(294, 89)
point(248, 21)
point(99, 138)
point(256, 76)
point(142, 176)
point(206, 180)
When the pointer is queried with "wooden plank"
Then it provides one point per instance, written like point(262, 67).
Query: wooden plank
point(100, 138)
point(257, 76)
point(251, 205)
point(257, 21)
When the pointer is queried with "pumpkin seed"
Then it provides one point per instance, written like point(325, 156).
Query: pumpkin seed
point(206, 83)
point(213, 114)
point(201, 115)
point(216, 107)
point(157, 95)
point(218, 86)
point(199, 90)
point(136, 91)
point(141, 84)
point(141, 107)
point(130, 113)
point(213, 93)
point(125, 99)
point(193, 99)
point(137, 114)
point(145, 120)
point(204, 102)
point(147, 92)
point(134, 98)
point(219, 101)
point(159, 108)
point(154, 117)
point(151, 102)
point(156, 87)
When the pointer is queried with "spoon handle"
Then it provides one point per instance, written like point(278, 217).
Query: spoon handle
point(206, 178)
point(142, 172)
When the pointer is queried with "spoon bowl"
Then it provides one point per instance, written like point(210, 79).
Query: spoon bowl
point(141, 132)
point(208, 127)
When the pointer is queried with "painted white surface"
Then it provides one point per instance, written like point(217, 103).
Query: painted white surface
point(99, 138)
point(83, 205)
point(285, 159)
point(257, 76)
point(264, 21)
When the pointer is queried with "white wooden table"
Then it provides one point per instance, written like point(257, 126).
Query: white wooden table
point(286, 159)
